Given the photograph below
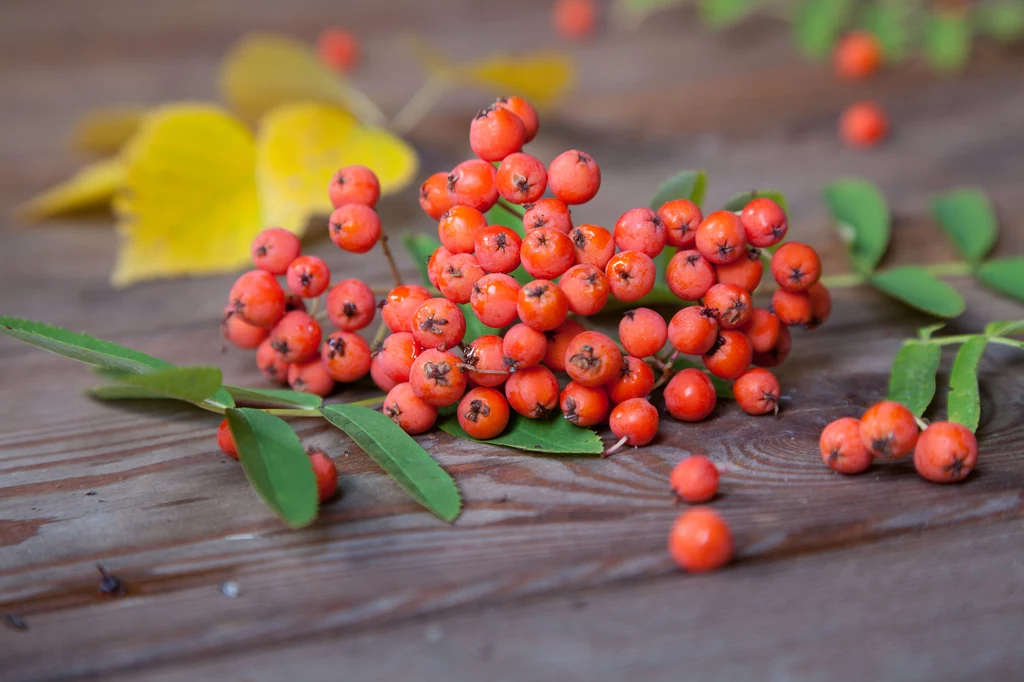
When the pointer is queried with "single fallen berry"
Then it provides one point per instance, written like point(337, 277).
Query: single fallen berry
point(548, 213)
point(326, 473)
point(842, 449)
point(542, 305)
point(945, 452)
point(240, 333)
point(497, 248)
point(762, 329)
point(400, 304)
point(225, 441)
point(744, 272)
point(310, 376)
point(642, 332)
point(793, 308)
point(593, 244)
point(690, 395)
point(857, 55)
point(640, 229)
point(574, 19)
point(521, 178)
point(721, 238)
point(777, 355)
point(631, 275)
point(757, 392)
point(634, 422)
point(574, 177)
point(525, 111)
point(494, 300)
point(523, 347)
point(271, 364)
point(592, 359)
point(308, 276)
point(408, 410)
point(296, 338)
point(274, 249)
point(730, 356)
point(437, 377)
point(458, 227)
point(558, 341)
point(496, 132)
point(473, 183)
point(730, 304)
point(546, 253)
point(796, 266)
point(586, 288)
point(483, 413)
point(694, 480)
point(635, 380)
point(821, 305)
point(485, 358)
point(345, 357)
point(354, 185)
point(351, 305)
point(533, 392)
point(888, 429)
point(434, 199)
point(338, 49)
point(700, 541)
point(584, 406)
point(396, 355)
point(438, 323)
point(458, 277)
point(764, 222)
point(257, 298)
point(689, 275)
point(693, 330)
point(681, 217)
point(354, 228)
point(863, 124)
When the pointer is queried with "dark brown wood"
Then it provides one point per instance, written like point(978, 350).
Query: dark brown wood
point(557, 568)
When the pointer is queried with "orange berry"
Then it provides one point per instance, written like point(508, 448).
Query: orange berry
point(350, 305)
point(380, 379)
point(945, 452)
point(458, 227)
point(863, 124)
point(574, 177)
point(225, 441)
point(681, 217)
point(494, 300)
point(310, 376)
point(354, 185)
point(730, 303)
point(473, 183)
point(793, 308)
point(690, 395)
point(270, 363)
point(841, 447)
point(274, 249)
point(762, 330)
point(584, 405)
point(548, 213)
point(558, 341)
point(338, 49)
point(764, 222)
point(744, 272)
point(257, 298)
point(757, 391)
point(296, 337)
point(546, 253)
point(636, 420)
point(574, 19)
point(731, 355)
point(497, 248)
point(458, 277)
point(533, 392)
point(308, 276)
point(496, 132)
point(586, 289)
point(483, 413)
point(326, 474)
point(700, 541)
point(694, 480)
point(345, 356)
point(434, 199)
point(594, 245)
point(642, 332)
point(523, 347)
point(240, 333)
point(631, 275)
point(821, 305)
point(437, 378)
point(438, 323)
point(396, 355)
point(778, 354)
point(400, 304)
point(525, 111)
point(408, 410)
point(486, 353)
point(888, 429)
point(796, 266)
point(693, 330)
point(354, 227)
point(436, 262)
point(689, 275)
point(640, 229)
point(542, 305)
point(592, 359)
point(521, 178)
point(721, 238)
point(857, 55)
point(636, 380)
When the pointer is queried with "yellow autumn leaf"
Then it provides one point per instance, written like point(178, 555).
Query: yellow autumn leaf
point(91, 187)
point(540, 77)
point(264, 71)
point(104, 131)
point(299, 147)
point(189, 203)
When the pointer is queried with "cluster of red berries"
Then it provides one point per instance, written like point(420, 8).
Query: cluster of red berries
point(944, 452)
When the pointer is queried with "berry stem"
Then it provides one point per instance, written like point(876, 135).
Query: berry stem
point(921, 424)
point(420, 104)
point(380, 335)
point(391, 260)
point(314, 308)
point(1002, 340)
point(512, 208)
point(611, 451)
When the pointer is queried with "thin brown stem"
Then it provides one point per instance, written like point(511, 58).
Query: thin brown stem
point(391, 260)
point(514, 209)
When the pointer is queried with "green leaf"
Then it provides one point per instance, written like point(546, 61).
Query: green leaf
point(912, 381)
point(400, 456)
point(276, 465)
point(687, 184)
point(1005, 275)
point(1002, 19)
point(548, 436)
point(274, 397)
point(1004, 327)
point(191, 384)
point(817, 25)
point(123, 392)
point(920, 289)
point(738, 201)
point(925, 333)
point(946, 40)
point(888, 21)
point(963, 404)
point(474, 327)
point(720, 13)
point(862, 215)
point(968, 219)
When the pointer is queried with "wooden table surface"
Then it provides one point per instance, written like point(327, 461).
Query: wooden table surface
point(557, 568)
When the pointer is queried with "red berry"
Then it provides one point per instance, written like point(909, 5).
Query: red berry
point(731, 305)
point(293, 302)
point(458, 227)
point(438, 323)
point(631, 275)
point(721, 238)
point(863, 124)
point(793, 308)
point(584, 406)
point(380, 379)
point(396, 355)
point(731, 355)
point(436, 262)
point(437, 377)
point(354, 227)
point(497, 248)
point(888, 429)
point(593, 244)
point(640, 229)
point(326, 474)
point(857, 55)
point(338, 49)
point(574, 177)
point(777, 355)
point(592, 359)
point(841, 447)
point(586, 289)
point(558, 341)
point(523, 346)
point(400, 304)
point(636, 380)
point(546, 253)
point(745, 272)
point(681, 217)
point(642, 332)
point(945, 452)
point(693, 330)
point(225, 441)
point(700, 541)
point(548, 213)
point(296, 337)
point(458, 277)
point(350, 305)
point(533, 392)
point(406, 409)
point(821, 305)
point(496, 132)
point(240, 333)
point(521, 178)
point(473, 183)
point(483, 413)
point(757, 392)
point(796, 266)
point(486, 355)
point(257, 298)
point(354, 185)
point(434, 198)
point(310, 376)
point(762, 330)
point(525, 111)
point(636, 420)
point(690, 395)
point(542, 305)
point(689, 275)
point(274, 249)
point(694, 480)
point(764, 222)
point(494, 300)
point(308, 276)
point(574, 19)
point(271, 364)
point(345, 356)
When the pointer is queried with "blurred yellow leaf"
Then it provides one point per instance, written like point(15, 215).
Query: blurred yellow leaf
point(264, 71)
point(299, 147)
point(189, 202)
point(540, 77)
point(91, 187)
point(104, 131)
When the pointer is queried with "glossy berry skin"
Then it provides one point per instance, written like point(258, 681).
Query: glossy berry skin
point(700, 541)
point(354, 185)
point(745, 272)
point(888, 430)
point(310, 377)
point(640, 229)
point(400, 304)
point(592, 359)
point(483, 413)
point(523, 346)
point(496, 132)
point(533, 392)
point(694, 480)
point(863, 124)
point(842, 449)
point(642, 332)
point(525, 111)
point(777, 355)
point(721, 238)
point(574, 19)
point(296, 337)
point(681, 218)
point(494, 300)
point(458, 227)
point(857, 55)
point(487, 352)
point(693, 330)
point(458, 277)
point(764, 222)
point(593, 244)
point(690, 395)
point(437, 261)
point(326, 474)
point(542, 305)
point(438, 323)
point(408, 410)
point(636, 420)
point(546, 253)
point(380, 379)
point(548, 212)
point(274, 249)
point(762, 330)
point(631, 275)
point(821, 305)
point(497, 248)
point(689, 275)
point(521, 178)
point(257, 298)
point(731, 303)
point(574, 177)
point(350, 305)
point(558, 341)
point(945, 452)
point(586, 289)
point(434, 199)
point(225, 441)
point(337, 49)
point(308, 276)
point(796, 266)
point(437, 378)
point(793, 308)
point(345, 357)
point(473, 183)
point(757, 391)
point(731, 355)
point(271, 364)
point(636, 380)
point(240, 333)
point(354, 228)
point(584, 405)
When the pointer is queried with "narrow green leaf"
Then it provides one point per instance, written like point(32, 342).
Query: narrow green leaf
point(687, 184)
point(400, 456)
point(862, 214)
point(925, 333)
point(273, 397)
point(1002, 19)
point(963, 404)
point(920, 289)
point(912, 381)
point(123, 392)
point(191, 384)
point(420, 247)
point(967, 217)
point(738, 201)
point(1005, 275)
point(889, 21)
point(720, 13)
point(1004, 327)
point(946, 40)
point(817, 25)
point(549, 436)
point(276, 465)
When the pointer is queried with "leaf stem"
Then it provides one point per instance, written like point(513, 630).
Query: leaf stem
point(852, 279)
point(1003, 341)
point(420, 104)
point(512, 208)
point(290, 412)
point(391, 260)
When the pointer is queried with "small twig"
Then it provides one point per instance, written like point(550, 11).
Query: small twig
point(921, 424)
point(514, 209)
point(391, 260)
point(380, 335)
point(611, 451)
point(420, 104)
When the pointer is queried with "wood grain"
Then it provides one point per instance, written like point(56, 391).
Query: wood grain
point(557, 567)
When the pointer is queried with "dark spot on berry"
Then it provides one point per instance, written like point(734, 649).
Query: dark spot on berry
point(376, 347)
point(484, 113)
point(477, 289)
point(432, 325)
point(509, 362)
point(753, 254)
point(537, 291)
point(452, 179)
point(539, 221)
point(334, 227)
point(625, 275)
point(299, 383)
point(501, 241)
point(477, 409)
point(777, 230)
point(340, 178)
point(585, 359)
point(833, 456)
point(424, 192)
point(882, 444)
point(350, 309)
point(336, 346)
point(542, 240)
point(261, 251)
point(305, 279)
point(719, 342)
point(570, 410)
point(692, 259)
point(446, 215)
point(582, 158)
point(392, 411)
point(521, 182)
point(724, 249)
point(709, 312)
point(579, 239)
point(110, 585)
point(543, 412)
point(281, 346)
point(629, 314)
point(383, 302)
point(453, 271)
point(955, 468)
point(592, 279)
point(656, 220)
point(734, 312)
point(470, 356)
point(626, 371)
point(796, 274)
point(438, 372)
